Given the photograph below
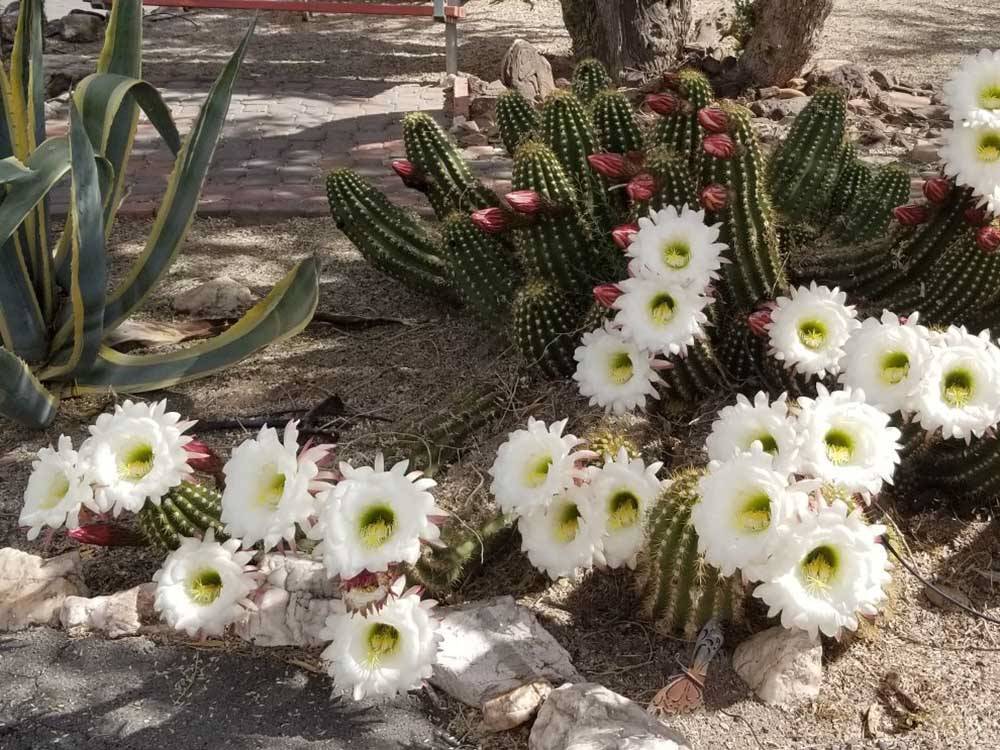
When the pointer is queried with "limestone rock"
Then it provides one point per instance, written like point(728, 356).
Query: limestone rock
point(853, 79)
point(116, 615)
point(491, 647)
point(926, 150)
point(62, 72)
point(82, 28)
point(215, 300)
point(779, 108)
point(525, 68)
point(588, 716)
point(514, 708)
point(32, 590)
point(783, 667)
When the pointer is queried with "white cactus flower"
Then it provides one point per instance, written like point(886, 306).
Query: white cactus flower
point(678, 245)
point(57, 488)
point(742, 424)
point(660, 315)
point(561, 539)
point(613, 372)
point(809, 329)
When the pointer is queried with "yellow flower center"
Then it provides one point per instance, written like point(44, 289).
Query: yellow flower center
point(812, 334)
point(136, 462)
point(662, 308)
point(839, 446)
point(568, 523)
point(376, 526)
point(819, 568)
point(676, 254)
point(766, 440)
point(958, 388)
point(58, 487)
point(755, 514)
point(894, 368)
point(623, 510)
point(988, 149)
point(272, 487)
point(205, 586)
point(621, 368)
point(537, 471)
point(383, 642)
point(989, 96)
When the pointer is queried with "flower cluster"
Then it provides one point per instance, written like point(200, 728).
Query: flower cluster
point(572, 515)
point(674, 257)
point(781, 501)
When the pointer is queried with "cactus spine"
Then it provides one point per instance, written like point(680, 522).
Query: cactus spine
point(615, 126)
point(187, 510)
point(545, 327)
point(589, 79)
point(480, 269)
point(680, 130)
point(870, 213)
point(517, 120)
point(441, 569)
point(854, 177)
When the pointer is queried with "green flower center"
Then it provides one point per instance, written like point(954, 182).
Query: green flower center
point(662, 308)
point(894, 368)
point(989, 96)
point(272, 487)
point(812, 334)
point(376, 526)
point(767, 440)
point(839, 446)
point(568, 523)
point(383, 642)
point(754, 516)
point(58, 487)
point(205, 586)
point(958, 388)
point(988, 149)
point(537, 471)
point(623, 510)
point(676, 254)
point(621, 368)
point(136, 462)
point(819, 568)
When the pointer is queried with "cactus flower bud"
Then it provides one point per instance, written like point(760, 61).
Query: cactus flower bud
point(624, 235)
point(641, 187)
point(719, 145)
point(663, 104)
point(976, 216)
point(937, 189)
point(107, 535)
point(525, 201)
point(202, 458)
point(606, 294)
point(714, 197)
point(988, 239)
point(491, 220)
point(911, 214)
point(405, 168)
point(759, 321)
point(613, 166)
point(713, 119)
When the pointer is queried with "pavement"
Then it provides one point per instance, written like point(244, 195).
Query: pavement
point(132, 694)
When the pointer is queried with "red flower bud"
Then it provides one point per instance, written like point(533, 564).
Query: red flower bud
point(976, 216)
point(663, 104)
point(613, 166)
point(719, 145)
point(490, 220)
point(759, 321)
point(606, 294)
point(525, 201)
point(624, 235)
point(911, 214)
point(988, 239)
point(641, 187)
point(405, 168)
point(713, 119)
point(714, 197)
point(202, 458)
point(107, 535)
point(937, 189)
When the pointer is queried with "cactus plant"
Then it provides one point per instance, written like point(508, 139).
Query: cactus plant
point(188, 510)
point(517, 120)
point(589, 79)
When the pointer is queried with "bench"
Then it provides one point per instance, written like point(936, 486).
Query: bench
point(448, 12)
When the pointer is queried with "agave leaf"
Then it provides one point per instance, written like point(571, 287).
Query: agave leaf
point(22, 326)
point(281, 314)
point(22, 397)
point(12, 170)
point(178, 208)
point(48, 163)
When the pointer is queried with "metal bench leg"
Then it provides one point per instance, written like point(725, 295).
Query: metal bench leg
point(451, 43)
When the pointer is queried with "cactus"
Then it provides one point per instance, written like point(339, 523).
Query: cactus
point(187, 510)
point(680, 591)
point(870, 213)
point(545, 328)
point(675, 185)
point(854, 177)
point(441, 569)
point(480, 269)
point(680, 130)
point(962, 283)
point(615, 125)
point(517, 120)
point(589, 79)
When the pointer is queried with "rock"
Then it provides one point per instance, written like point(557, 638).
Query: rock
point(914, 105)
point(860, 106)
point(82, 28)
point(936, 597)
point(514, 708)
point(525, 68)
point(788, 93)
point(62, 72)
point(853, 79)
point(294, 608)
point(32, 590)
point(783, 667)
point(779, 109)
point(116, 615)
point(491, 647)
point(707, 31)
point(214, 300)
point(588, 716)
point(8, 27)
point(796, 83)
point(769, 92)
point(883, 79)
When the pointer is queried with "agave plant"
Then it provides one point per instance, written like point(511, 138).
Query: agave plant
point(56, 308)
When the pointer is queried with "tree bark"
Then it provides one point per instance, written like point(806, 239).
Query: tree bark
point(786, 34)
point(645, 35)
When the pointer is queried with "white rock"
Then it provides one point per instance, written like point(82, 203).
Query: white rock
point(115, 615)
point(525, 68)
point(214, 300)
point(514, 708)
point(491, 647)
point(588, 716)
point(295, 573)
point(32, 590)
point(783, 667)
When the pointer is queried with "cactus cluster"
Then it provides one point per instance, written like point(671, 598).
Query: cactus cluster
point(187, 510)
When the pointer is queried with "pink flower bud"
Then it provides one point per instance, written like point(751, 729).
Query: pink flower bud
point(107, 535)
point(624, 235)
point(911, 214)
point(490, 220)
point(937, 189)
point(405, 168)
point(976, 216)
point(525, 202)
point(642, 187)
point(713, 119)
point(609, 165)
point(606, 294)
point(663, 104)
point(719, 145)
point(759, 321)
point(714, 197)
point(988, 239)
point(202, 458)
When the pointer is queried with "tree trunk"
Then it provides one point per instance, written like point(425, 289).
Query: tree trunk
point(786, 34)
point(641, 34)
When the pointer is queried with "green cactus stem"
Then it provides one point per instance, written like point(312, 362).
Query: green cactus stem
point(675, 185)
point(187, 510)
point(545, 332)
point(589, 79)
point(870, 213)
point(481, 269)
point(680, 131)
point(697, 375)
point(615, 125)
point(855, 175)
point(442, 569)
point(517, 120)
